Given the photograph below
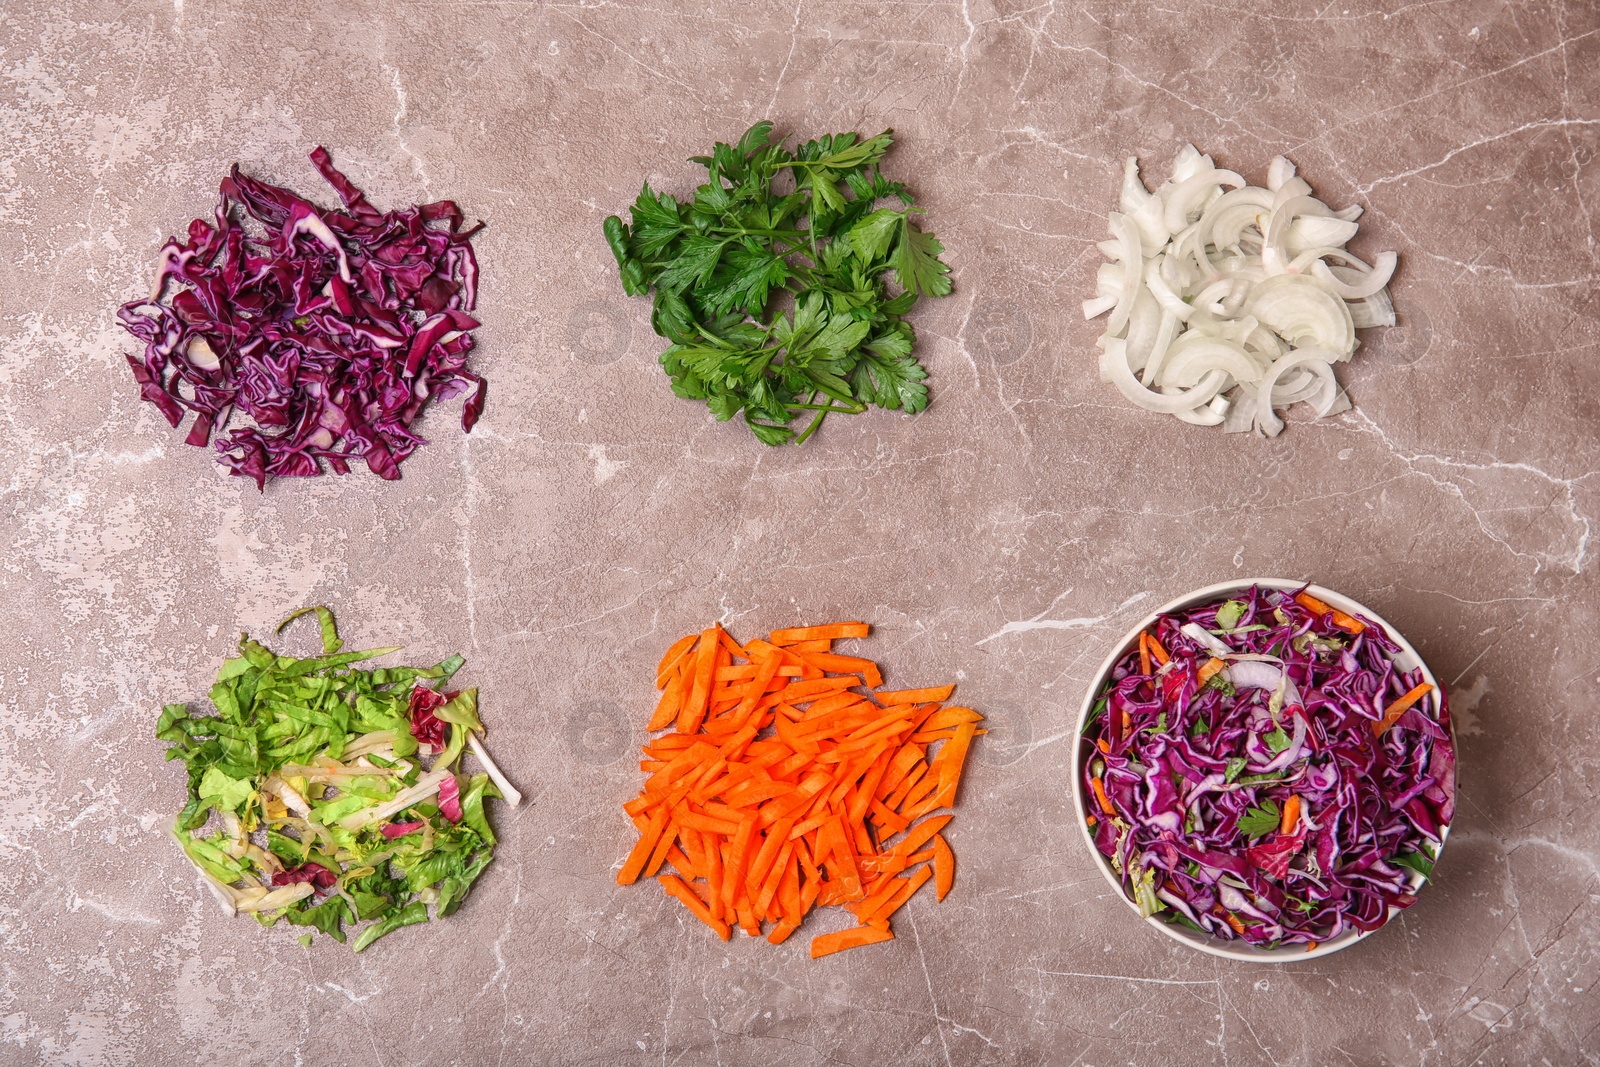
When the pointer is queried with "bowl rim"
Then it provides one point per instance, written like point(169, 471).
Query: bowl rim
point(1203, 942)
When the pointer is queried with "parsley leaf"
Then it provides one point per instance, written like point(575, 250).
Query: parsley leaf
point(772, 228)
point(1259, 821)
point(916, 262)
point(1277, 740)
point(1417, 862)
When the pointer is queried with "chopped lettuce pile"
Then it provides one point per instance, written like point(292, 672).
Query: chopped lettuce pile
point(1268, 769)
point(315, 780)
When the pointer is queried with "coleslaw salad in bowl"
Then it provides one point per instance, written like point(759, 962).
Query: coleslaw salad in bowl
point(1265, 770)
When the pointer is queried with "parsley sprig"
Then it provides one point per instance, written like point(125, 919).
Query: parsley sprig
point(1261, 820)
point(769, 222)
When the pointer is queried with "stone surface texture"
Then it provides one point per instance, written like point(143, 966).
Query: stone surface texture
point(1004, 537)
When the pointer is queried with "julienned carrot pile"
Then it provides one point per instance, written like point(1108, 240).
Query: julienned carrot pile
point(782, 785)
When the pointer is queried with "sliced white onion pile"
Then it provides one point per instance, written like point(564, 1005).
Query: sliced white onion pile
point(1227, 300)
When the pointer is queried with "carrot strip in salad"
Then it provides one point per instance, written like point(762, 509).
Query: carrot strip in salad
point(1392, 713)
point(1099, 786)
point(1348, 623)
point(1291, 814)
point(1210, 669)
point(1158, 653)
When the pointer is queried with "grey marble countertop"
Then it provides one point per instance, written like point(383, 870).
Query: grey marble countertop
point(1005, 536)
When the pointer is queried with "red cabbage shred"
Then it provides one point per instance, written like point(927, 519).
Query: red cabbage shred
point(331, 331)
point(1366, 801)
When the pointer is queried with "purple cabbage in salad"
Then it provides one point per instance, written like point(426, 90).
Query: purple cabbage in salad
point(330, 330)
point(1199, 774)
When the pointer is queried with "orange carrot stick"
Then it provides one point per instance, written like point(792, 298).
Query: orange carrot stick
point(856, 937)
point(674, 654)
point(668, 838)
point(1099, 788)
point(936, 695)
point(882, 816)
point(765, 670)
point(882, 892)
point(831, 632)
point(1291, 814)
point(642, 848)
point(862, 798)
point(720, 908)
point(927, 787)
point(952, 757)
point(675, 888)
point(918, 772)
point(738, 858)
point(836, 664)
point(839, 857)
point(693, 711)
point(1210, 669)
point(1158, 653)
point(920, 835)
point(932, 802)
point(905, 893)
point(671, 702)
point(1348, 623)
point(681, 862)
point(734, 648)
point(706, 824)
point(944, 866)
point(950, 717)
point(774, 878)
point(1392, 713)
point(747, 918)
point(1144, 653)
point(767, 855)
point(899, 767)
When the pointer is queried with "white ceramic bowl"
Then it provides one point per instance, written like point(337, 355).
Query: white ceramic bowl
point(1235, 950)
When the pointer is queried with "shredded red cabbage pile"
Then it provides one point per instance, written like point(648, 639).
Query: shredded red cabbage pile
point(1197, 774)
point(330, 330)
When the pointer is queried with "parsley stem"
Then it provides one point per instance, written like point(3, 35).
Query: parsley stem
point(812, 428)
point(777, 235)
point(853, 409)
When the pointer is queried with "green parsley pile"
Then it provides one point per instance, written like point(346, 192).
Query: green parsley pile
point(310, 775)
point(769, 221)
